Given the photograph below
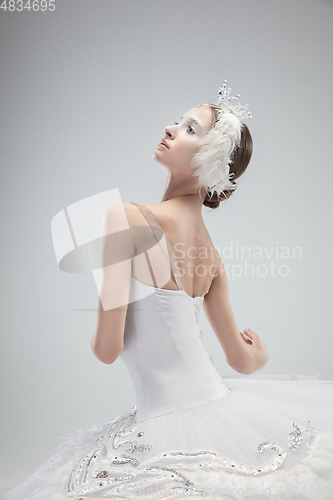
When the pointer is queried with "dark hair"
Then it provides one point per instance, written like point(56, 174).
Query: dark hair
point(240, 159)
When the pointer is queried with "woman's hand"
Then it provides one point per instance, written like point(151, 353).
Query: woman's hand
point(257, 349)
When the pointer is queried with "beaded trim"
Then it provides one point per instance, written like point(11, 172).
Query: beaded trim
point(107, 472)
point(296, 437)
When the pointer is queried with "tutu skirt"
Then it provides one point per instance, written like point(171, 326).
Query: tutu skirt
point(271, 437)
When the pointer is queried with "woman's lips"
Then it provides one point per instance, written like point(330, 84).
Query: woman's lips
point(160, 145)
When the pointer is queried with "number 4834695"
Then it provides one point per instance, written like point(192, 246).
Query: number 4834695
point(29, 5)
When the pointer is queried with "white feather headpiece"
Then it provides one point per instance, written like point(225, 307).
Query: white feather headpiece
point(212, 163)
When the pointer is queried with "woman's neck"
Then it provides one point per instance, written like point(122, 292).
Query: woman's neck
point(184, 188)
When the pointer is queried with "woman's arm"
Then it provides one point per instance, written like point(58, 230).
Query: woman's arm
point(107, 341)
point(242, 356)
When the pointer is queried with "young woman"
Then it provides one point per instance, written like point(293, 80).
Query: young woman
point(191, 432)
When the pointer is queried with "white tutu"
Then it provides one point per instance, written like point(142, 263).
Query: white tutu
point(193, 432)
point(192, 451)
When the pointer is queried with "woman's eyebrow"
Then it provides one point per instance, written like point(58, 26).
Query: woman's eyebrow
point(192, 120)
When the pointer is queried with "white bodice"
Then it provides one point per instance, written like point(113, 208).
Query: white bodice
point(164, 352)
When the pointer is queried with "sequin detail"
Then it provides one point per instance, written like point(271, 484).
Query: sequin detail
point(295, 437)
point(310, 433)
point(107, 472)
point(139, 448)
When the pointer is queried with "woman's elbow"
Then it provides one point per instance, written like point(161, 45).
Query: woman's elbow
point(104, 357)
point(238, 368)
point(107, 360)
point(249, 367)
point(242, 367)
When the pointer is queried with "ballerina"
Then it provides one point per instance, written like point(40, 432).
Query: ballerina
point(191, 432)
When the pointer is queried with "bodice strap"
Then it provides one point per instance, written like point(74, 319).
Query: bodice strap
point(152, 221)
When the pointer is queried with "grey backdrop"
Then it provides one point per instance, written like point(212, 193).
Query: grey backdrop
point(86, 92)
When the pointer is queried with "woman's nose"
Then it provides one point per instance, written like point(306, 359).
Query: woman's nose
point(169, 132)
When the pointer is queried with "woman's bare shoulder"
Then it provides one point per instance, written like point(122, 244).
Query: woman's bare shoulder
point(176, 218)
point(178, 215)
point(133, 213)
point(168, 214)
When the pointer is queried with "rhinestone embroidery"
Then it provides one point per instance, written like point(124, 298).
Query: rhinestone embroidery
point(209, 460)
point(107, 471)
point(310, 433)
point(139, 448)
point(103, 473)
point(295, 437)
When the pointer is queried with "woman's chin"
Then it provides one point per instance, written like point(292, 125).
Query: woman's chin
point(155, 157)
point(159, 158)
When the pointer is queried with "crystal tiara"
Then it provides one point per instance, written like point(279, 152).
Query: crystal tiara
point(224, 98)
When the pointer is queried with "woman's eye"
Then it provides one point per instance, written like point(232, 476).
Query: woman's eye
point(189, 127)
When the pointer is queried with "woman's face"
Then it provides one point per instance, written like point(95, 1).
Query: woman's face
point(183, 138)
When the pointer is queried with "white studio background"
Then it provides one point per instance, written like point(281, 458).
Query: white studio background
point(86, 92)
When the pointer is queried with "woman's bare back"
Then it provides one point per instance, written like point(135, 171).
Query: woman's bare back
point(189, 238)
point(168, 237)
